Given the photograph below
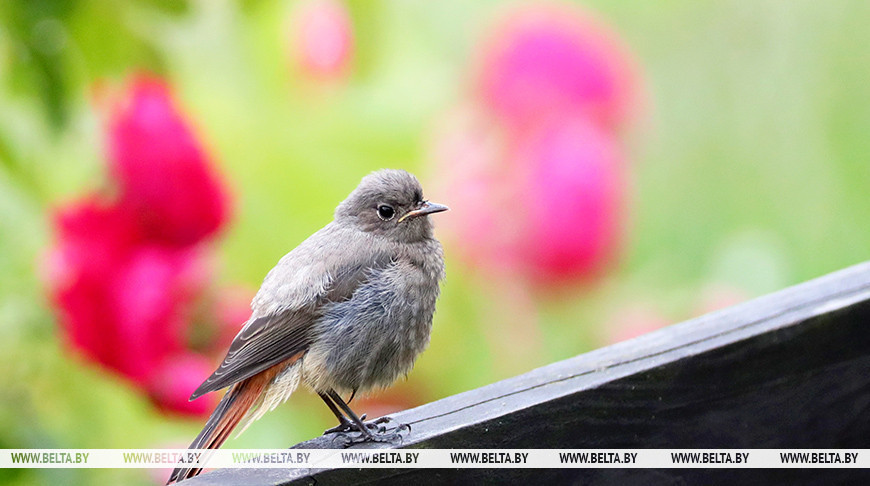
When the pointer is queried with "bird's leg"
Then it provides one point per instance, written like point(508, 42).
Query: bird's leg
point(344, 425)
point(360, 425)
point(364, 427)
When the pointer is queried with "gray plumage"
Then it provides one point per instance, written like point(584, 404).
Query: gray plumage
point(346, 311)
point(358, 296)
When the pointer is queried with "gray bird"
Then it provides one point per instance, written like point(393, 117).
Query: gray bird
point(346, 311)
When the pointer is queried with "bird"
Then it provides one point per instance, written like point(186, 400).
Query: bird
point(346, 311)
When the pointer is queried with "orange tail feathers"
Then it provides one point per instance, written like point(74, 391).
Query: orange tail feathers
point(231, 409)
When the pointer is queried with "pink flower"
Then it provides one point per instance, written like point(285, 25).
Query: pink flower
point(471, 178)
point(323, 38)
point(176, 379)
point(556, 58)
point(166, 179)
point(548, 207)
point(534, 171)
point(573, 200)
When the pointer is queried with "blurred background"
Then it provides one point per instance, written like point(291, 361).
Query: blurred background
point(612, 168)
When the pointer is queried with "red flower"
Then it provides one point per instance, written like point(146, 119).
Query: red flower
point(127, 272)
point(151, 297)
point(166, 179)
point(93, 240)
point(124, 301)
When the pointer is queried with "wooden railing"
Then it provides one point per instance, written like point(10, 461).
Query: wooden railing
point(787, 370)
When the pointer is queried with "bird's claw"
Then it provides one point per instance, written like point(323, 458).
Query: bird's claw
point(381, 420)
point(342, 440)
point(376, 431)
point(351, 438)
point(348, 426)
point(342, 427)
point(387, 420)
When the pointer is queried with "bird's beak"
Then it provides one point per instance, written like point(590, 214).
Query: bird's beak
point(424, 209)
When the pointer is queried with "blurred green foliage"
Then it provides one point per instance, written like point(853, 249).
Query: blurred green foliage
point(751, 172)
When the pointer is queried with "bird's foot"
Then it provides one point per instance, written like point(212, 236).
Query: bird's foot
point(375, 431)
point(344, 426)
point(347, 439)
point(376, 425)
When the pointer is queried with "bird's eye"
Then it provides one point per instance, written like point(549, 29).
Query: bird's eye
point(386, 212)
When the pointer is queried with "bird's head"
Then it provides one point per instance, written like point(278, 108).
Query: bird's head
point(389, 202)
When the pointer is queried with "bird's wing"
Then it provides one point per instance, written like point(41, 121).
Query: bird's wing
point(285, 331)
point(263, 343)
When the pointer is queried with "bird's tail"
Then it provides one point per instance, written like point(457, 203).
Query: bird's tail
point(232, 408)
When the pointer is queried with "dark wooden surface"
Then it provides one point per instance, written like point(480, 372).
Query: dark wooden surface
point(788, 370)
